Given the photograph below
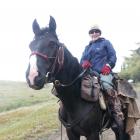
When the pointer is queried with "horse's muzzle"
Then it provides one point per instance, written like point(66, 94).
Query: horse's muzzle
point(38, 83)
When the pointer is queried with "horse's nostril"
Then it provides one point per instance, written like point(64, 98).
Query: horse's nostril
point(31, 76)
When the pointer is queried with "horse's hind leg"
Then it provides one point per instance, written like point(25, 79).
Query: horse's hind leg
point(71, 135)
point(94, 136)
point(127, 136)
point(118, 130)
point(120, 134)
point(123, 137)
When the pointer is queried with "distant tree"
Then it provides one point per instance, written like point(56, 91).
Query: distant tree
point(131, 66)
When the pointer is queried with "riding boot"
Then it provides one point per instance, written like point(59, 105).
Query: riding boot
point(114, 106)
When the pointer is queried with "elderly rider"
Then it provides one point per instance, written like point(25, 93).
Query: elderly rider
point(100, 56)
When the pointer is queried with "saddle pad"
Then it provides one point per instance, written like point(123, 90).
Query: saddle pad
point(126, 89)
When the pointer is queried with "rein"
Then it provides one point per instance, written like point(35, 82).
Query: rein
point(57, 82)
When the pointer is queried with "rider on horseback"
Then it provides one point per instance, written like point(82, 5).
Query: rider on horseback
point(100, 56)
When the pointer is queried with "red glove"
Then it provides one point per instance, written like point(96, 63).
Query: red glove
point(106, 70)
point(86, 64)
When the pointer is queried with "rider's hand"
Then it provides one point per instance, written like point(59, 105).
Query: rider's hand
point(86, 64)
point(106, 70)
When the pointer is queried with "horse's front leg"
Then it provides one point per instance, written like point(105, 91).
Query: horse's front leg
point(71, 135)
point(93, 136)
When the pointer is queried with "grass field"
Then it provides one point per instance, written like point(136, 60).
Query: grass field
point(26, 114)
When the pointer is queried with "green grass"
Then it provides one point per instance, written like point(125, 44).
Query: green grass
point(26, 114)
point(14, 95)
point(30, 123)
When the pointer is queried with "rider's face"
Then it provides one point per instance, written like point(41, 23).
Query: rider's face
point(94, 35)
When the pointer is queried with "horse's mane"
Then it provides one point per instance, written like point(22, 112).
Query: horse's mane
point(70, 71)
point(71, 64)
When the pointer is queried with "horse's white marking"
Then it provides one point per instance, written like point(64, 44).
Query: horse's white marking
point(33, 72)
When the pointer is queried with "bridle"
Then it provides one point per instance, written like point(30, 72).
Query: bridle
point(46, 57)
point(57, 65)
point(58, 60)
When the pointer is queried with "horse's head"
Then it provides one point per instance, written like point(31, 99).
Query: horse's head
point(44, 54)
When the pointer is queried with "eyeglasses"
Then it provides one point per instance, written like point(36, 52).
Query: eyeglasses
point(94, 31)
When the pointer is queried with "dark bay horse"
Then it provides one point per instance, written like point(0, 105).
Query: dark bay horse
point(51, 58)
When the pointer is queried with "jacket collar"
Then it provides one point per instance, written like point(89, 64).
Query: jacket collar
point(98, 40)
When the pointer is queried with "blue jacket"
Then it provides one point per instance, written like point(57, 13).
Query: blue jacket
point(99, 53)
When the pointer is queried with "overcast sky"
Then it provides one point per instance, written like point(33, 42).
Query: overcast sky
point(118, 19)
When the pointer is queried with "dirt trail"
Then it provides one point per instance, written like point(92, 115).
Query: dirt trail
point(107, 135)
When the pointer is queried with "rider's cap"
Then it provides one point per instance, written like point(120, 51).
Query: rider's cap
point(95, 29)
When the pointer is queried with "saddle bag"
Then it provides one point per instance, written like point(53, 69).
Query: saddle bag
point(90, 88)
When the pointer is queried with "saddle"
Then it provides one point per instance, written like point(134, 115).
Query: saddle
point(91, 89)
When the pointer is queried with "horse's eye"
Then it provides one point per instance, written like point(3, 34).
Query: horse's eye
point(51, 43)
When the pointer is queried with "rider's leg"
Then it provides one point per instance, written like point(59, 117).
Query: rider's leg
point(114, 104)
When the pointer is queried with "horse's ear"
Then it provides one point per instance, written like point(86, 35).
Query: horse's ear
point(36, 27)
point(52, 24)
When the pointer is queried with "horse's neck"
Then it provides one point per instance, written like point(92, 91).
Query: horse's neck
point(71, 69)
